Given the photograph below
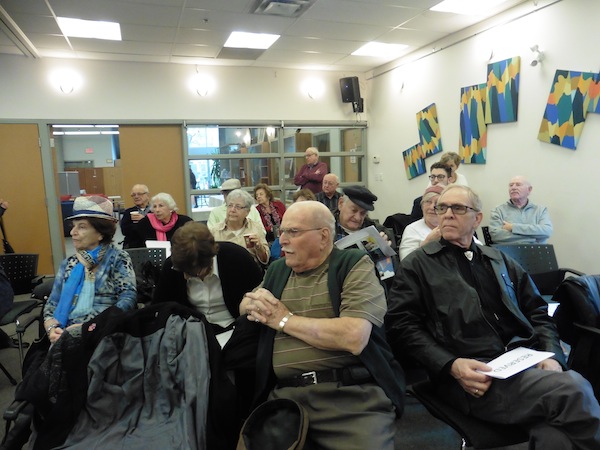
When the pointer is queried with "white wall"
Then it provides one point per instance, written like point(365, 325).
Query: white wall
point(563, 179)
point(115, 91)
point(74, 148)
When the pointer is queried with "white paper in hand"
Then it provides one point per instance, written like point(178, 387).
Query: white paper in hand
point(515, 361)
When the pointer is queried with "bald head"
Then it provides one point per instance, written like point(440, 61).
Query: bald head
point(330, 184)
point(140, 195)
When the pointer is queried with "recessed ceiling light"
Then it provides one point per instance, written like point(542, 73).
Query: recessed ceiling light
point(240, 39)
point(92, 29)
point(466, 7)
point(380, 50)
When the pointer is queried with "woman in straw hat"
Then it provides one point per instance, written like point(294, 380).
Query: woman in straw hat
point(98, 276)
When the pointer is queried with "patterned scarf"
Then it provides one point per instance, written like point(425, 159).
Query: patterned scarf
point(72, 287)
point(269, 218)
point(162, 228)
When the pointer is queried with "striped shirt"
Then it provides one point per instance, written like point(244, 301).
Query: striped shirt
point(307, 294)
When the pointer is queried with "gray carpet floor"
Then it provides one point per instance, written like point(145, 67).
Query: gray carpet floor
point(417, 429)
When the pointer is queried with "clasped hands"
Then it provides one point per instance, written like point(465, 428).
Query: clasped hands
point(465, 371)
point(262, 306)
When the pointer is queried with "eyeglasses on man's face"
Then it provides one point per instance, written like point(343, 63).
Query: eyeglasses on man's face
point(236, 207)
point(138, 194)
point(295, 232)
point(459, 210)
point(438, 177)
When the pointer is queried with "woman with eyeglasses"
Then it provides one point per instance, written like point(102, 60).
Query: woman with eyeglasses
point(241, 230)
point(161, 223)
point(426, 229)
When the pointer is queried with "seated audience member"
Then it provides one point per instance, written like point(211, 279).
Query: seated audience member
point(218, 214)
point(240, 229)
point(426, 229)
point(456, 305)
point(131, 216)
point(329, 196)
point(352, 214)
point(322, 342)
point(452, 160)
point(310, 176)
point(97, 277)
point(212, 278)
point(303, 195)
point(161, 223)
point(439, 176)
point(518, 221)
point(271, 211)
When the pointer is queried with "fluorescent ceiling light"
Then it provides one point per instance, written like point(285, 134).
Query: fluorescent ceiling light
point(93, 29)
point(466, 7)
point(72, 126)
point(380, 50)
point(240, 39)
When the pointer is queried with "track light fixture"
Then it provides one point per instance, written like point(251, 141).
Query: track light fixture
point(537, 57)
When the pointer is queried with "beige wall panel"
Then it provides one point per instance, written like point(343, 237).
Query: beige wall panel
point(22, 184)
point(152, 155)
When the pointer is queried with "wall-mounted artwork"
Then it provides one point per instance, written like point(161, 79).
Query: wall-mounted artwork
point(472, 145)
point(414, 161)
point(429, 130)
point(503, 90)
point(572, 96)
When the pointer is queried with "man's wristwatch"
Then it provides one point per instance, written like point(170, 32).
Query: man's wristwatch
point(284, 320)
point(51, 327)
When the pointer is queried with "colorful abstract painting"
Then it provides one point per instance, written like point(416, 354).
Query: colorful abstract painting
point(414, 161)
point(429, 130)
point(472, 145)
point(503, 91)
point(572, 96)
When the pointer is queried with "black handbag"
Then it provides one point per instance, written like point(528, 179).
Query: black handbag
point(7, 247)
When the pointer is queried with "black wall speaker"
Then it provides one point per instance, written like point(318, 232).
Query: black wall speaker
point(350, 89)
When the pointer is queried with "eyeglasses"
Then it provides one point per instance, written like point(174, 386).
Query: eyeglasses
point(459, 210)
point(236, 207)
point(295, 232)
point(138, 194)
point(438, 177)
point(309, 155)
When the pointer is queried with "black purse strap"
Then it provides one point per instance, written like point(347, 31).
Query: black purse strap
point(2, 228)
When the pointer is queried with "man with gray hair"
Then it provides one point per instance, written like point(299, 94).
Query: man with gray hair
point(518, 221)
point(323, 344)
point(456, 305)
point(310, 176)
point(329, 196)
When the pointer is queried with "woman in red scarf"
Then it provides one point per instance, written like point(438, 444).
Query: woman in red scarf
point(271, 210)
point(161, 223)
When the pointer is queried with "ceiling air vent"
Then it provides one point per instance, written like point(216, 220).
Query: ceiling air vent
point(284, 8)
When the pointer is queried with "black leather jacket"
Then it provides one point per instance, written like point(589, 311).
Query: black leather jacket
point(435, 316)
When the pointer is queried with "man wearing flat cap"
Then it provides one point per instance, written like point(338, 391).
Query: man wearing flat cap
point(219, 214)
point(352, 214)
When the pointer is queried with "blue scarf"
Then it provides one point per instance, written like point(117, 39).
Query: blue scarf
point(72, 287)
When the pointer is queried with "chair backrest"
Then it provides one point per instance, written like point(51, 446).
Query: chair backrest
point(534, 258)
point(539, 261)
point(487, 237)
point(397, 223)
point(139, 256)
point(20, 269)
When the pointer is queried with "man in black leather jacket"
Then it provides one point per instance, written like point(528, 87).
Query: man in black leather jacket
point(455, 305)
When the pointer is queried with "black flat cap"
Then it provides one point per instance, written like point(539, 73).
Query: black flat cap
point(361, 196)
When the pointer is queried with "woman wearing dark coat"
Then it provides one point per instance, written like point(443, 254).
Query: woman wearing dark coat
point(212, 278)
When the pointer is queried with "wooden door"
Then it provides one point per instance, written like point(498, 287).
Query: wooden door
point(153, 155)
point(22, 184)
